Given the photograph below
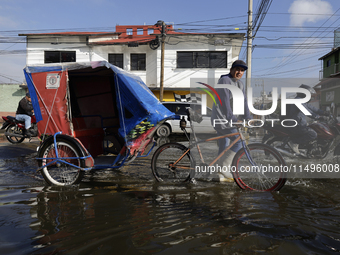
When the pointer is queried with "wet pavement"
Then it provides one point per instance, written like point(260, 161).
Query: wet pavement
point(125, 211)
point(8, 150)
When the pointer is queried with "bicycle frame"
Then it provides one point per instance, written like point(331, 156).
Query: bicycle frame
point(58, 159)
point(254, 167)
point(197, 142)
point(117, 163)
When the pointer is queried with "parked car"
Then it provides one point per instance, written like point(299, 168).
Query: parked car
point(179, 108)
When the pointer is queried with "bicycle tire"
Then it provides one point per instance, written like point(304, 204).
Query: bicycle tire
point(14, 129)
point(168, 154)
point(61, 174)
point(268, 174)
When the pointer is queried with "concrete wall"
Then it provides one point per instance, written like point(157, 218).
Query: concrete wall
point(10, 95)
point(173, 77)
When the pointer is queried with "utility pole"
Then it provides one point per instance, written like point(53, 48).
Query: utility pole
point(163, 35)
point(249, 42)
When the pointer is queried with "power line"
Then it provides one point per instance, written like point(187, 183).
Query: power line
point(209, 20)
point(294, 54)
point(306, 14)
point(290, 71)
point(7, 77)
point(261, 14)
point(196, 26)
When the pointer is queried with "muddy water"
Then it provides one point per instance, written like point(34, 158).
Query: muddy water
point(126, 212)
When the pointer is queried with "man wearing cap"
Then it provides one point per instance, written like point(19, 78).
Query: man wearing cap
point(225, 112)
point(24, 113)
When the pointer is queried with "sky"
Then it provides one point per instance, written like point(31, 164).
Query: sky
point(292, 37)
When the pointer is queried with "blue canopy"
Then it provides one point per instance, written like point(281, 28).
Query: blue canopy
point(131, 94)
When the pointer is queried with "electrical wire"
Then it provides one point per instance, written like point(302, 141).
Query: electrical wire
point(294, 54)
point(261, 14)
point(196, 26)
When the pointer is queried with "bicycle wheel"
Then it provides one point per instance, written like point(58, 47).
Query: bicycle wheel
point(163, 160)
point(61, 173)
point(265, 173)
point(15, 130)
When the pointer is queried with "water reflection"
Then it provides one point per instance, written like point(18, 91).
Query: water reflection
point(137, 220)
point(152, 218)
point(126, 212)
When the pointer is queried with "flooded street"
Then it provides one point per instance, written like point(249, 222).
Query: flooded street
point(125, 211)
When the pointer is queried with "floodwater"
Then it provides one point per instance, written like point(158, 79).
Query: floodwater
point(125, 211)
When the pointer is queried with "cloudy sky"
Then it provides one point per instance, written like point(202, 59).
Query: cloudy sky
point(292, 36)
point(300, 11)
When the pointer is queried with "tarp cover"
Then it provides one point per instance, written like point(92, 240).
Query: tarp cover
point(131, 94)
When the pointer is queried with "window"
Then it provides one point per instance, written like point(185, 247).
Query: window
point(328, 63)
point(116, 59)
point(198, 108)
point(138, 62)
point(179, 109)
point(129, 31)
point(201, 59)
point(60, 56)
point(185, 59)
point(140, 31)
point(150, 31)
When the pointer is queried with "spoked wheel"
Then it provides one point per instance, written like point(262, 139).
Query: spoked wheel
point(169, 164)
point(15, 130)
point(265, 173)
point(61, 173)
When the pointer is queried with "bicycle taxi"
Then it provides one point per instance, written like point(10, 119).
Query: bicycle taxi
point(87, 110)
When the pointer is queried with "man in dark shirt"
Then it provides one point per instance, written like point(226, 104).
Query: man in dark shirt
point(24, 112)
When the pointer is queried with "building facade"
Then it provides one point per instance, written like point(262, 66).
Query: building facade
point(330, 80)
point(10, 96)
point(187, 56)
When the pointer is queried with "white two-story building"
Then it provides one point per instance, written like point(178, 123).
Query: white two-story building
point(187, 56)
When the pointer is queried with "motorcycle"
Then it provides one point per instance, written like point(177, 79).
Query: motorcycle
point(14, 129)
point(327, 131)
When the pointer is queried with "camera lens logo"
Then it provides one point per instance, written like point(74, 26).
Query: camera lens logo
point(208, 92)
